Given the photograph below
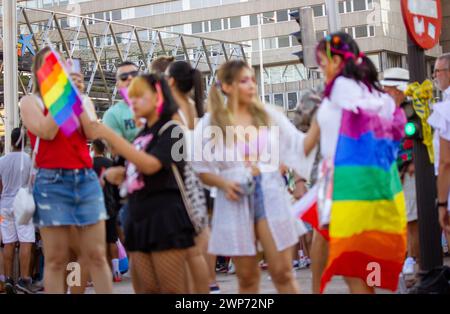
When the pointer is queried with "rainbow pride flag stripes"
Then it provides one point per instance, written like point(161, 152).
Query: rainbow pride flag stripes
point(59, 94)
point(368, 215)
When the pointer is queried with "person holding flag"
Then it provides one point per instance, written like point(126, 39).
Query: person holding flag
point(360, 194)
point(66, 189)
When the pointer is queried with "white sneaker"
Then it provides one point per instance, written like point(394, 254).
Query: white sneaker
point(408, 267)
point(231, 269)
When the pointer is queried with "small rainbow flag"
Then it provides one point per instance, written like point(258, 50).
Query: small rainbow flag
point(59, 94)
point(368, 216)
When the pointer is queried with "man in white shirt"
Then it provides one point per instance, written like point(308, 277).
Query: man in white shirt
point(440, 121)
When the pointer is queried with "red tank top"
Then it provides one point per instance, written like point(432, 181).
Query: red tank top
point(62, 152)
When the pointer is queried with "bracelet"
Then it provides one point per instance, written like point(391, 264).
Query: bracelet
point(442, 204)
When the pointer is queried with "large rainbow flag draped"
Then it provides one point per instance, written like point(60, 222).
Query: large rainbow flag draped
point(368, 215)
point(59, 94)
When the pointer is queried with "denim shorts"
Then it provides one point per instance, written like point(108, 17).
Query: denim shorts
point(68, 198)
point(258, 200)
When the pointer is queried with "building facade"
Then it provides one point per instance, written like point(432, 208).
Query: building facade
point(445, 37)
point(377, 26)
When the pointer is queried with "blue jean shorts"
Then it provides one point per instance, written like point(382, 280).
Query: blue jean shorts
point(68, 198)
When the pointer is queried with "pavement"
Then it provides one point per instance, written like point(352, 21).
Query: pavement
point(228, 283)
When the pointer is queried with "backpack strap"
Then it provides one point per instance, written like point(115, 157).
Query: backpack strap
point(166, 126)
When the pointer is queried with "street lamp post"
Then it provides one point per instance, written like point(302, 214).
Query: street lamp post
point(261, 17)
point(10, 85)
point(261, 65)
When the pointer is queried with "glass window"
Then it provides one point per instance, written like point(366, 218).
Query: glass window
point(268, 17)
point(235, 22)
point(359, 5)
point(369, 4)
point(371, 31)
point(197, 27)
point(361, 31)
point(267, 99)
point(375, 58)
point(63, 22)
point(116, 15)
point(176, 6)
point(270, 43)
point(195, 4)
point(99, 15)
point(157, 8)
point(320, 35)
point(47, 3)
point(318, 10)
point(216, 25)
point(348, 6)
point(83, 43)
point(282, 16)
point(283, 42)
point(278, 99)
point(341, 7)
point(254, 19)
point(206, 26)
point(292, 100)
point(144, 11)
point(225, 23)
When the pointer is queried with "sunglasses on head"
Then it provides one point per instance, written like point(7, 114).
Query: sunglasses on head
point(125, 76)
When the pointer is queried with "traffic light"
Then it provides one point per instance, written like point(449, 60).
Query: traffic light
point(413, 128)
point(306, 36)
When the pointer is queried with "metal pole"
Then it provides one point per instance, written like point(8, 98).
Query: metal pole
point(429, 229)
point(334, 20)
point(261, 63)
point(11, 88)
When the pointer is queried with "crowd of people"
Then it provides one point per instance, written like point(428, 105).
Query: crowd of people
point(185, 183)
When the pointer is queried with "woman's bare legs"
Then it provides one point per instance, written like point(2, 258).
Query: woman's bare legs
point(248, 274)
point(198, 266)
point(93, 251)
point(319, 257)
point(279, 262)
point(358, 286)
point(56, 253)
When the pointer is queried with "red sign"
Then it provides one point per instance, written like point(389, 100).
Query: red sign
point(423, 20)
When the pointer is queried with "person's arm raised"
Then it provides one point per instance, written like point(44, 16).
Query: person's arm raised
point(35, 121)
point(145, 163)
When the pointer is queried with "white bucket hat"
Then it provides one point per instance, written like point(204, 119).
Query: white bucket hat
point(396, 77)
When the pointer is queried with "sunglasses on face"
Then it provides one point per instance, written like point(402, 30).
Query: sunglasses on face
point(125, 76)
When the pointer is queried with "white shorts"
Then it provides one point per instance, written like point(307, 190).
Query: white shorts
point(12, 232)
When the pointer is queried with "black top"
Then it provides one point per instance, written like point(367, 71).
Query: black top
point(110, 192)
point(157, 217)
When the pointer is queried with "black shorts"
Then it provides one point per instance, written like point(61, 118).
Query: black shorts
point(111, 230)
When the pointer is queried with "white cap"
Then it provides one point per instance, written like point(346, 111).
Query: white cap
point(396, 77)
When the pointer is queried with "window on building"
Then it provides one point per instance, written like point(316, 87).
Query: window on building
point(321, 34)
point(157, 8)
point(197, 27)
point(254, 19)
point(63, 22)
point(235, 22)
point(361, 31)
point(216, 25)
point(283, 42)
point(270, 43)
point(116, 15)
point(146, 10)
point(393, 61)
point(292, 100)
point(371, 31)
point(206, 26)
point(319, 10)
point(282, 15)
point(99, 15)
point(375, 58)
point(278, 100)
point(267, 99)
point(268, 17)
point(225, 24)
point(359, 5)
point(195, 4)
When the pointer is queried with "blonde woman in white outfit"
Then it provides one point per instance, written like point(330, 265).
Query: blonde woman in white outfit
point(252, 202)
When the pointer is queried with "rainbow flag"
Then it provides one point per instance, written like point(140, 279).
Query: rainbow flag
point(368, 215)
point(59, 94)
